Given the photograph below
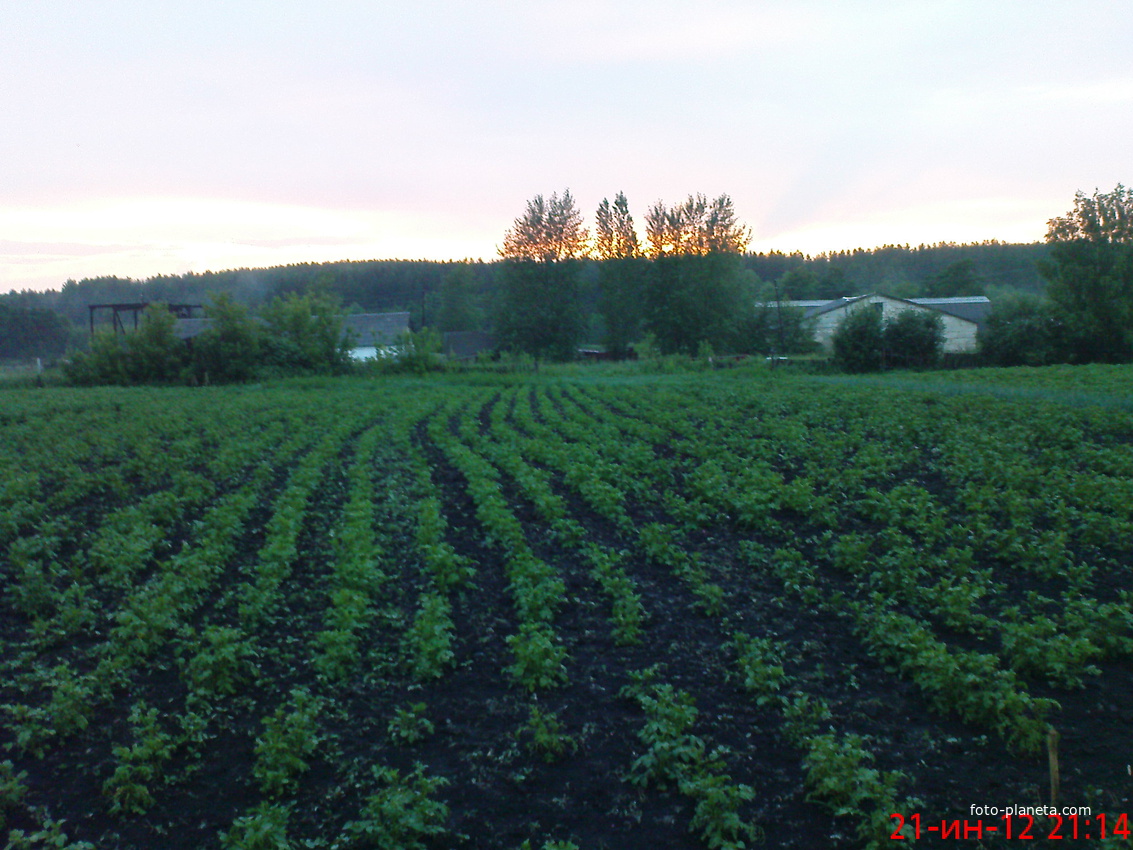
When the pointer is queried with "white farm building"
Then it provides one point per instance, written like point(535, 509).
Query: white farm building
point(961, 317)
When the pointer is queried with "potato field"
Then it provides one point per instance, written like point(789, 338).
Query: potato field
point(587, 609)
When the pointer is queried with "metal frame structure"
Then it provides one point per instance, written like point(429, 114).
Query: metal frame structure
point(181, 311)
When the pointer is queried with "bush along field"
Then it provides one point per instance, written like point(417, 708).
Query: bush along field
point(579, 610)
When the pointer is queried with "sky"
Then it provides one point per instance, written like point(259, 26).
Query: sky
point(152, 137)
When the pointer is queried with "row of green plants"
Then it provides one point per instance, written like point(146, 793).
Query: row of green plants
point(536, 589)
point(1035, 645)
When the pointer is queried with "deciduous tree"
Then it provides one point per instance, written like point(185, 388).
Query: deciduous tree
point(539, 309)
point(1090, 274)
point(696, 292)
point(548, 231)
point(695, 227)
point(621, 273)
point(615, 237)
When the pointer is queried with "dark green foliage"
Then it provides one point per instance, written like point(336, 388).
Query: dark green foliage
point(1022, 331)
point(149, 355)
point(815, 282)
point(957, 279)
point(621, 283)
point(231, 348)
point(779, 330)
point(693, 299)
point(1091, 291)
point(458, 310)
point(419, 351)
point(154, 354)
point(540, 310)
point(913, 339)
point(304, 334)
point(864, 342)
point(104, 363)
point(905, 270)
point(32, 332)
point(1090, 274)
point(858, 341)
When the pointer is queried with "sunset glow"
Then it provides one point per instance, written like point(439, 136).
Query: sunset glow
point(141, 139)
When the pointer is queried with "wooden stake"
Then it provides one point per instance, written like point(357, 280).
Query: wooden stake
point(1052, 755)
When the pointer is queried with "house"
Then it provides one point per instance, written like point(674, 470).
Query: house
point(375, 334)
point(961, 317)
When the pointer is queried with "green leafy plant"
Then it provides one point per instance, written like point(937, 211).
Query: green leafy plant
point(289, 738)
point(409, 725)
point(139, 765)
point(760, 664)
point(265, 828)
point(428, 641)
point(50, 836)
point(223, 661)
point(545, 737)
point(838, 775)
point(401, 813)
point(717, 817)
point(12, 788)
point(539, 659)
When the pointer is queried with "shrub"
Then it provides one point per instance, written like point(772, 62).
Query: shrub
point(149, 355)
point(913, 339)
point(865, 343)
point(231, 348)
point(858, 341)
point(1022, 331)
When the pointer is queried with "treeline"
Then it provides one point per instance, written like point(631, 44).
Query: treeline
point(942, 270)
point(371, 286)
point(467, 296)
point(32, 331)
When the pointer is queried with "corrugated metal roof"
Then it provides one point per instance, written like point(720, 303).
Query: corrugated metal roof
point(974, 308)
point(837, 303)
point(371, 330)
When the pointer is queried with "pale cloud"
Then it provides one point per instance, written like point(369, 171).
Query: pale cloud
point(1112, 92)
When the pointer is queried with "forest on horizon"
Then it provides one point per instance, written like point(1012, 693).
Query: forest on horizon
point(462, 295)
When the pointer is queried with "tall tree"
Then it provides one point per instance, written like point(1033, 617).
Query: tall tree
point(621, 273)
point(1090, 274)
point(696, 292)
point(695, 227)
point(549, 230)
point(458, 310)
point(615, 237)
point(539, 310)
